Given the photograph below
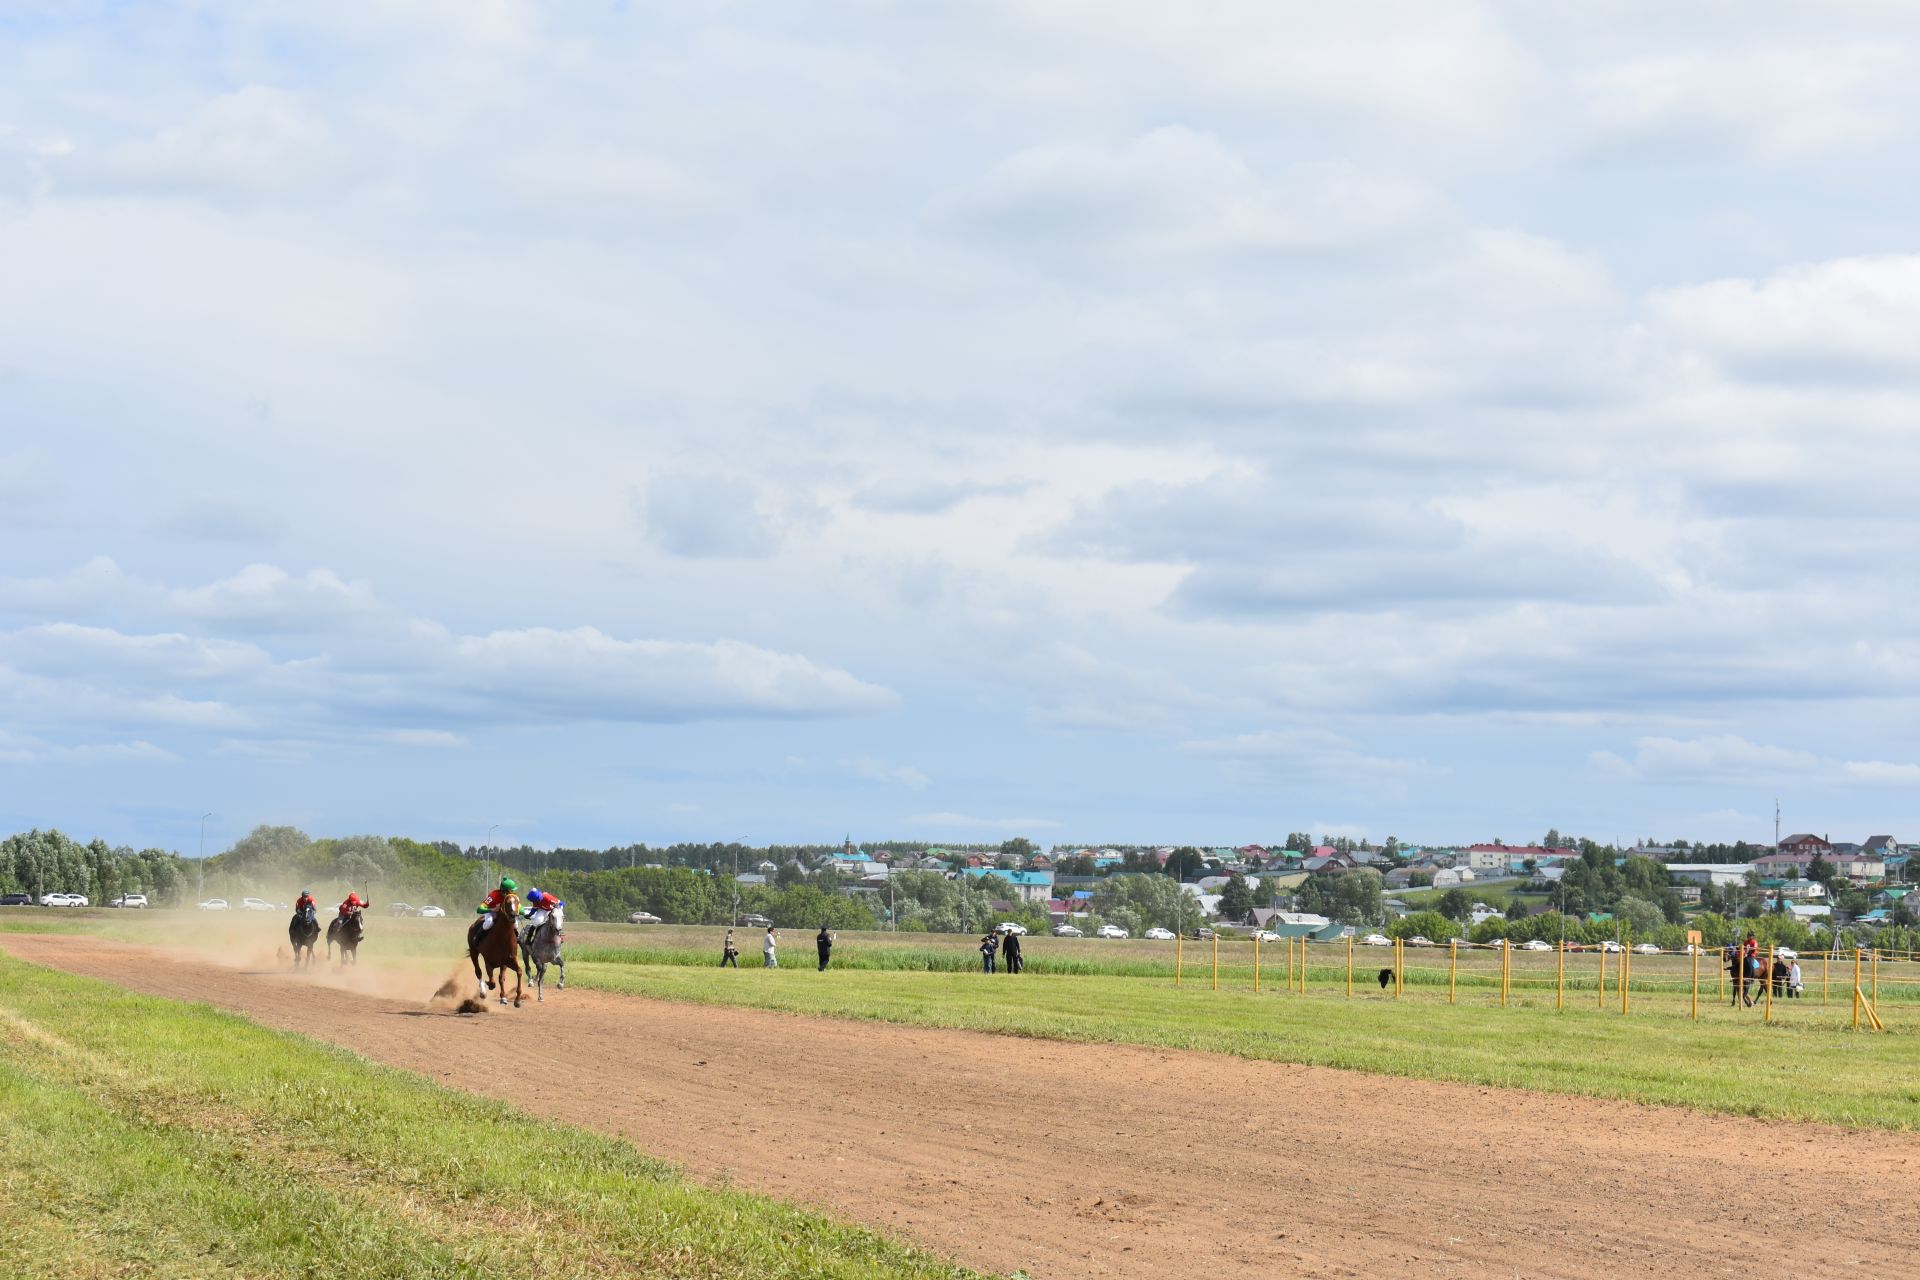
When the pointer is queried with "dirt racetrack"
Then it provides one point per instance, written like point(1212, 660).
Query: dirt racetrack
point(1087, 1160)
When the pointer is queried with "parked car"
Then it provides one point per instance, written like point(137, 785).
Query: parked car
point(755, 921)
point(1376, 940)
point(255, 904)
point(1417, 941)
point(129, 900)
point(214, 904)
point(433, 913)
point(1786, 953)
point(1008, 926)
point(1265, 935)
point(16, 899)
point(1646, 949)
point(1204, 935)
point(1536, 944)
point(1111, 931)
point(63, 900)
point(399, 909)
point(1611, 946)
point(1496, 943)
point(643, 917)
point(1067, 931)
point(1158, 934)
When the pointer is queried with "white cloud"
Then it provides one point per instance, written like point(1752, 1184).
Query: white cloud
point(947, 821)
point(1727, 759)
point(897, 775)
point(257, 140)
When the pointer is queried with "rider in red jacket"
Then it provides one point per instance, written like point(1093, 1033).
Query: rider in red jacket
point(305, 902)
point(504, 900)
point(353, 903)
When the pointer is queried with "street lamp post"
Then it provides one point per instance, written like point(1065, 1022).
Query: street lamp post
point(200, 863)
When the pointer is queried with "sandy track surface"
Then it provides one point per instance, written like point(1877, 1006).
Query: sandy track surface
point(1080, 1160)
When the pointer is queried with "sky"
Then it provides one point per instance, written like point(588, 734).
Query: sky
point(1096, 422)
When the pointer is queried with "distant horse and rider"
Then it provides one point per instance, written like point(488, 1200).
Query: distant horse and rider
point(543, 939)
point(304, 929)
point(347, 929)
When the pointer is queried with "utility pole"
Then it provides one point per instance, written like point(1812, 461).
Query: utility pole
point(1776, 824)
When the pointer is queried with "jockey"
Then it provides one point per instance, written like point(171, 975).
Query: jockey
point(541, 904)
point(353, 903)
point(305, 902)
point(502, 899)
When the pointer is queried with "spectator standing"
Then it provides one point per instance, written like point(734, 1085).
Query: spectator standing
point(988, 945)
point(767, 946)
point(824, 944)
point(1793, 980)
point(1779, 976)
point(1737, 970)
point(729, 953)
point(1010, 952)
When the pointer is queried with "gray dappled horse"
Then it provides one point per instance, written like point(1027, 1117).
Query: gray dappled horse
point(541, 941)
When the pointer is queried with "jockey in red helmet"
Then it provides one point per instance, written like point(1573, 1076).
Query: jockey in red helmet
point(353, 903)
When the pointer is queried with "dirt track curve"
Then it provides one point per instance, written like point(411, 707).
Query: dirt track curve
point(1080, 1160)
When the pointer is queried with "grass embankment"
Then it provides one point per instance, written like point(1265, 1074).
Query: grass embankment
point(1804, 1071)
point(148, 1137)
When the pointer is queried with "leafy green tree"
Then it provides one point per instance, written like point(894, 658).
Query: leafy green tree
point(1018, 847)
point(1455, 904)
point(1643, 917)
point(1424, 924)
point(1185, 864)
point(1236, 898)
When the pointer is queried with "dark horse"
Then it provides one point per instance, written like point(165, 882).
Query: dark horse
point(345, 932)
point(302, 932)
point(500, 948)
point(541, 945)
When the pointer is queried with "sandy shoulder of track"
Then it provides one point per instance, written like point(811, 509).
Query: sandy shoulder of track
point(1092, 1160)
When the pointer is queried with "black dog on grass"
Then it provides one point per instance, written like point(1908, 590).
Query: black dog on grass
point(1386, 979)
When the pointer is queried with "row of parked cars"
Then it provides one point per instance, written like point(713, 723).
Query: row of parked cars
point(23, 899)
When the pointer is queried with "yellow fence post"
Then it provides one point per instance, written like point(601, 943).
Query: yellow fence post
point(1766, 999)
point(1178, 941)
point(1722, 997)
point(1256, 964)
point(1874, 990)
point(1397, 984)
point(1506, 968)
point(1216, 962)
point(1349, 966)
point(1453, 965)
point(1560, 975)
point(1626, 978)
point(1856, 988)
point(1303, 966)
point(1603, 977)
point(1696, 983)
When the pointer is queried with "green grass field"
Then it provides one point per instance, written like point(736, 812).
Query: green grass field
point(152, 1138)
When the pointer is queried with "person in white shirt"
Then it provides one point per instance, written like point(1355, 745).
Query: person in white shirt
point(767, 946)
point(1793, 981)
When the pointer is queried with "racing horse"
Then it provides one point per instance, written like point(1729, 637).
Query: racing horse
point(302, 931)
point(542, 941)
point(345, 932)
point(499, 946)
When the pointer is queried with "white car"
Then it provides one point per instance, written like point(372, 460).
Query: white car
point(63, 900)
point(1536, 944)
point(255, 904)
point(1646, 949)
point(214, 904)
point(1111, 931)
point(1067, 931)
point(129, 900)
point(1158, 934)
point(1008, 926)
point(1786, 953)
point(433, 913)
point(1264, 935)
point(638, 917)
point(1496, 943)
point(1610, 946)
point(1376, 940)
point(1418, 941)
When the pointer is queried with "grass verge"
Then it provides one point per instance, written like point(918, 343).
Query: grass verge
point(148, 1137)
point(1808, 1070)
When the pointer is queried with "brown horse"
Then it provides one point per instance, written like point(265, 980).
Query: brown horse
point(500, 948)
point(345, 932)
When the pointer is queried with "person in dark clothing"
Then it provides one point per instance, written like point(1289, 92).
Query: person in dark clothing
point(1010, 952)
point(823, 943)
point(1737, 970)
point(729, 954)
point(1779, 978)
point(988, 945)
